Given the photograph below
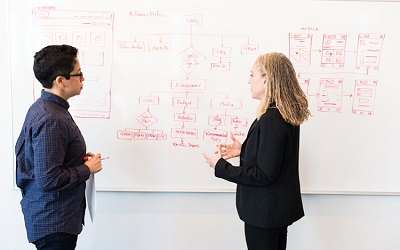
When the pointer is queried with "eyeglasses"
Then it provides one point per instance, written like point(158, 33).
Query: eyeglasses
point(80, 74)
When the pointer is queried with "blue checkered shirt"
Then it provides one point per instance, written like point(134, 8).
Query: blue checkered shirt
point(50, 170)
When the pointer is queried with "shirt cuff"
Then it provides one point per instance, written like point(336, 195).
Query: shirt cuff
point(84, 173)
point(218, 170)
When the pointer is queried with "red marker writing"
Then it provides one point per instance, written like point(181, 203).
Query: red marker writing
point(86, 158)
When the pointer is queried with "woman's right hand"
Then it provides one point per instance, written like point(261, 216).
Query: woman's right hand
point(230, 150)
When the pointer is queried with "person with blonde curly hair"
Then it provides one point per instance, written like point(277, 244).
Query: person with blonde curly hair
point(268, 197)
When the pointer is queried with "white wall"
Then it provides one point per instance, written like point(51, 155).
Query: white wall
point(195, 221)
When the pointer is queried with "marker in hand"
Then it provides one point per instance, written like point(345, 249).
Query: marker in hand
point(86, 158)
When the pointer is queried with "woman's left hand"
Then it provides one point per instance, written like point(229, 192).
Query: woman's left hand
point(212, 159)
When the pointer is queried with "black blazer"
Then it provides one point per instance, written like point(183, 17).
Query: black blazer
point(268, 190)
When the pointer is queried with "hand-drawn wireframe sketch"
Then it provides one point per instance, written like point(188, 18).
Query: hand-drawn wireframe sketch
point(300, 49)
point(369, 50)
point(333, 51)
point(330, 95)
point(304, 84)
point(364, 97)
point(333, 54)
point(92, 33)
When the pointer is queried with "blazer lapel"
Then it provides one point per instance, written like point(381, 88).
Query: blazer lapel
point(253, 125)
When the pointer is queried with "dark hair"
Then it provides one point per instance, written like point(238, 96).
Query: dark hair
point(53, 61)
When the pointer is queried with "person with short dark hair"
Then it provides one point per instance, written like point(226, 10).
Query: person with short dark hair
point(50, 168)
point(268, 197)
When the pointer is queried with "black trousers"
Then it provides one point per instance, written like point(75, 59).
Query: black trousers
point(265, 238)
point(57, 241)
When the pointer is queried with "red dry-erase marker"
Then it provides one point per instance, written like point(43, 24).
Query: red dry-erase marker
point(86, 158)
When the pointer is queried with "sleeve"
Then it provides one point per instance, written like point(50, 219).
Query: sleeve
point(50, 141)
point(269, 157)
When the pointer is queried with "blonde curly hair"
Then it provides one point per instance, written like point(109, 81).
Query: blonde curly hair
point(282, 89)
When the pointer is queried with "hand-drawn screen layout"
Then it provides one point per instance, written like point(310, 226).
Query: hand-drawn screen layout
point(92, 33)
point(162, 85)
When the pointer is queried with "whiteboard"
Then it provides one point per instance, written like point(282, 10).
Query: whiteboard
point(167, 80)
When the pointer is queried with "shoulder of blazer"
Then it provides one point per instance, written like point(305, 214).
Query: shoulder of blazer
point(272, 112)
point(273, 119)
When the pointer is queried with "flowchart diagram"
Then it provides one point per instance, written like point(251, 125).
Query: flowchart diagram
point(329, 95)
point(188, 92)
point(168, 80)
point(324, 80)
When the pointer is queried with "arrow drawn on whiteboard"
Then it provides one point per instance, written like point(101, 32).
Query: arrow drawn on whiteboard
point(300, 74)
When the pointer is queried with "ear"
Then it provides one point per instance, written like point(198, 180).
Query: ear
point(265, 82)
point(59, 82)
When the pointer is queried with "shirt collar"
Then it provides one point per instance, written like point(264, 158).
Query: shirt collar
point(54, 98)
